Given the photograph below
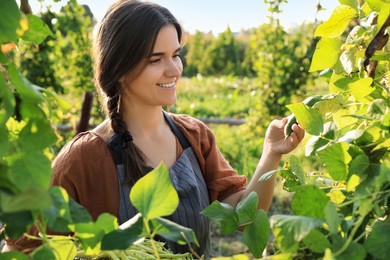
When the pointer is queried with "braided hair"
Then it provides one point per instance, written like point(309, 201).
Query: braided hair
point(126, 34)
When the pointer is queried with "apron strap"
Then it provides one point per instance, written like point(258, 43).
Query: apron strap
point(176, 130)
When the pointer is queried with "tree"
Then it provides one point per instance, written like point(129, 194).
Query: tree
point(221, 56)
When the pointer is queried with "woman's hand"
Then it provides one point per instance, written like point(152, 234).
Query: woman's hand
point(275, 141)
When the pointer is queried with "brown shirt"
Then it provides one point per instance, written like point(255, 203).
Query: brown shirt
point(86, 169)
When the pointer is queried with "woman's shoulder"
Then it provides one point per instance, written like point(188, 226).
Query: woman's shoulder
point(84, 146)
point(188, 122)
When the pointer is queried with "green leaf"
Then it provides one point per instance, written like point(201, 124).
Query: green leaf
point(383, 15)
point(336, 159)
point(290, 230)
point(377, 109)
point(377, 242)
point(58, 214)
point(352, 3)
point(79, 213)
point(310, 119)
point(31, 169)
point(255, 235)
point(225, 213)
point(17, 223)
point(359, 164)
point(296, 168)
point(317, 142)
point(268, 175)
point(154, 195)
point(107, 222)
point(348, 60)
point(37, 135)
point(43, 252)
point(316, 241)
point(37, 31)
point(351, 136)
point(337, 23)
point(353, 251)
point(14, 255)
point(375, 5)
point(246, 208)
point(361, 88)
point(63, 247)
point(89, 234)
point(28, 92)
point(326, 54)
point(331, 217)
point(123, 238)
point(9, 21)
point(309, 201)
point(291, 182)
point(29, 199)
point(174, 232)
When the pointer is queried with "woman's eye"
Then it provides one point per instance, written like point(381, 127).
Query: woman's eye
point(154, 61)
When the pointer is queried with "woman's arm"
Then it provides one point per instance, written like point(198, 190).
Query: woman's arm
point(275, 145)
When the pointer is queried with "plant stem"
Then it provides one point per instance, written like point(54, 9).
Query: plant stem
point(353, 232)
point(146, 223)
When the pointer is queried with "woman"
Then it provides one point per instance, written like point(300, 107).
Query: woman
point(137, 57)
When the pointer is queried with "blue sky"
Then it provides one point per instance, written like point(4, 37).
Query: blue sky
point(216, 15)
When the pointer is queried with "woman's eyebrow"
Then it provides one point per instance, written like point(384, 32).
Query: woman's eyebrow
point(162, 53)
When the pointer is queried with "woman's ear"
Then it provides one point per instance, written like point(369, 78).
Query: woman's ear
point(122, 79)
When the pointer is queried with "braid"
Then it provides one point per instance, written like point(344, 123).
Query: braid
point(133, 158)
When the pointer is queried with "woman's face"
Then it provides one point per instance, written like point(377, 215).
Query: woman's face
point(156, 84)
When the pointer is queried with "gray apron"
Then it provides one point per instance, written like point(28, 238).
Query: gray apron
point(188, 181)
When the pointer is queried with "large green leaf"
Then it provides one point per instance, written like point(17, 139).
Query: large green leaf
point(28, 92)
point(246, 208)
point(326, 54)
point(9, 21)
point(377, 242)
point(361, 88)
point(123, 238)
point(255, 235)
point(336, 159)
point(309, 201)
point(174, 232)
point(310, 119)
point(337, 22)
point(154, 195)
point(37, 135)
point(37, 31)
point(29, 199)
point(224, 213)
point(290, 230)
point(31, 169)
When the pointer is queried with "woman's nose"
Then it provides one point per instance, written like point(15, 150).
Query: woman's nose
point(174, 67)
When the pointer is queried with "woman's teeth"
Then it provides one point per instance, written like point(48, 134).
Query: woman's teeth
point(167, 85)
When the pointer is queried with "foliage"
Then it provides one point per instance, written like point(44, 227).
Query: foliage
point(26, 198)
point(342, 210)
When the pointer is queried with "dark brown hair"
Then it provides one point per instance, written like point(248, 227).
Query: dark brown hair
point(125, 36)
